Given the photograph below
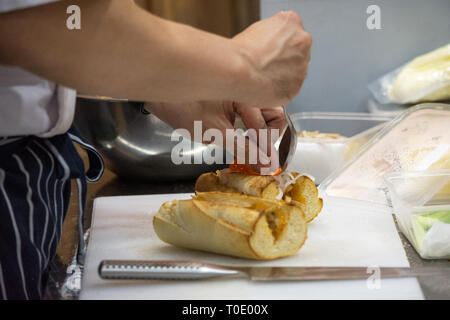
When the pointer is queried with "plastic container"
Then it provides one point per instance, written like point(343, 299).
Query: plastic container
point(424, 79)
point(389, 110)
point(416, 140)
point(421, 203)
point(320, 157)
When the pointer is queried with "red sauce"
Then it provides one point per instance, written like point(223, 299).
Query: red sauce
point(235, 167)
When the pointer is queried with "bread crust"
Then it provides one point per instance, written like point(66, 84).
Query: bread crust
point(303, 193)
point(232, 224)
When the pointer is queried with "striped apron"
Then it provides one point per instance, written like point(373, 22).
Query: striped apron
point(35, 188)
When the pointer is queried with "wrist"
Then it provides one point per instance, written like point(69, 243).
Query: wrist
point(249, 82)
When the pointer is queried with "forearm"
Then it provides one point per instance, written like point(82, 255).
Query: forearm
point(123, 51)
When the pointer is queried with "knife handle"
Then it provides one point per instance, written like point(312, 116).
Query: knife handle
point(162, 270)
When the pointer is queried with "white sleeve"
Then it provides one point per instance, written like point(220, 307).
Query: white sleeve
point(10, 5)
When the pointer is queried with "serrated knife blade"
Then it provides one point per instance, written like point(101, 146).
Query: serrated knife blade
point(189, 270)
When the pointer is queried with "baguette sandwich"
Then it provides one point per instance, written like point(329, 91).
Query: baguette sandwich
point(233, 224)
point(293, 188)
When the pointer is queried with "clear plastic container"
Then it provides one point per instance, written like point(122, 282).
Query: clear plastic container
point(416, 140)
point(320, 157)
point(390, 110)
point(421, 203)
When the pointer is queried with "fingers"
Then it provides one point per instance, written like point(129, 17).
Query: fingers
point(255, 150)
point(274, 118)
point(251, 116)
point(254, 119)
point(266, 124)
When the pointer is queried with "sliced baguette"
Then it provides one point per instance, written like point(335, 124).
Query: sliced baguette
point(303, 193)
point(232, 224)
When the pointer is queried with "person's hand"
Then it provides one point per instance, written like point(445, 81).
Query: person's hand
point(222, 115)
point(272, 122)
point(278, 49)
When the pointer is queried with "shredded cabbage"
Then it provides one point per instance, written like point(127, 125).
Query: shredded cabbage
point(285, 179)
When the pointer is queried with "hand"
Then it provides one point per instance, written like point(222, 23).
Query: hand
point(278, 49)
point(270, 119)
point(221, 115)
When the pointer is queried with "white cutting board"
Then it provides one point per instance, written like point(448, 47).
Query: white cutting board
point(342, 235)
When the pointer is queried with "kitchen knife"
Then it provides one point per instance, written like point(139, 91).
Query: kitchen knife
point(188, 270)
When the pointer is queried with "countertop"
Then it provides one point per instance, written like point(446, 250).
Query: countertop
point(112, 185)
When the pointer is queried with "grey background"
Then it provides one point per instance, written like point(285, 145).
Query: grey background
point(346, 56)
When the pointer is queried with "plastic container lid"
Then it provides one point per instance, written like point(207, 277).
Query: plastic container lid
point(390, 110)
point(320, 156)
point(416, 140)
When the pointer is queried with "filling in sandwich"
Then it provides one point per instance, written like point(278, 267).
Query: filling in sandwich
point(276, 220)
point(243, 168)
point(277, 223)
point(285, 182)
point(284, 179)
point(290, 187)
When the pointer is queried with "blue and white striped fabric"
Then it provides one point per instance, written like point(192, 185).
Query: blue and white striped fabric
point(35, 187)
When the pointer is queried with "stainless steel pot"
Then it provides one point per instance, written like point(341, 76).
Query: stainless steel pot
point(134, 145)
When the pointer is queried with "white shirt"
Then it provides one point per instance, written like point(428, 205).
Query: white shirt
point(30, 105)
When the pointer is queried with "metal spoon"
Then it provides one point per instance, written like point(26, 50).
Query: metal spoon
point(288, 143)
